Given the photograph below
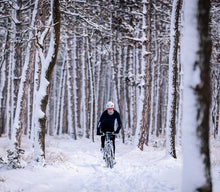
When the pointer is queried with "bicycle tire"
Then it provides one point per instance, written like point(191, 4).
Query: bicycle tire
point(108, 154)
point(110, 157)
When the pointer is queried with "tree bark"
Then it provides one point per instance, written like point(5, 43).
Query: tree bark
point(47, 74)
point(197, 96)
point(172, 94)
point(147, 108)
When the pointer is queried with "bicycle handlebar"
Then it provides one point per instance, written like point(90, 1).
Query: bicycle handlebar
point(110, 133)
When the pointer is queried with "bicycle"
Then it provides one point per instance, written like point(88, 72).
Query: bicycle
point(108, 154)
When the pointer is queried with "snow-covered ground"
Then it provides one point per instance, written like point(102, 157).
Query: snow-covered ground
point(78, 166)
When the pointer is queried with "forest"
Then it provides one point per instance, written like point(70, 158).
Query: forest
point(61, 61)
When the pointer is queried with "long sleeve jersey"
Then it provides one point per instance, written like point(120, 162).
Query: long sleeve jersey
point(107, 121)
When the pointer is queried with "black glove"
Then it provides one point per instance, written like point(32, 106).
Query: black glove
point(98, 133)
point(116, 132)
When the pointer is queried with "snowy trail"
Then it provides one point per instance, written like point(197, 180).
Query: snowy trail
point(134, 171)
point(78, 166)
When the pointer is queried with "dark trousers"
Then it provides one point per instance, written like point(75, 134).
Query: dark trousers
point(112, 138)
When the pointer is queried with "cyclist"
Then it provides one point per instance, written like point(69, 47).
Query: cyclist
point(107, 122)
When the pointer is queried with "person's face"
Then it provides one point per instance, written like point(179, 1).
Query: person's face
point(110, 110)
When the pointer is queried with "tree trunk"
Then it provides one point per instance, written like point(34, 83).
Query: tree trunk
point(22, 96)
point(197, 95)
point(147, 108)
point(172, 94)
point(44, 87)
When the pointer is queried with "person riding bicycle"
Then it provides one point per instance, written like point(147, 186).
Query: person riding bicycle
point(107, 123)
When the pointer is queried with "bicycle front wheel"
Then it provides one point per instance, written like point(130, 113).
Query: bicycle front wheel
point(109, 157)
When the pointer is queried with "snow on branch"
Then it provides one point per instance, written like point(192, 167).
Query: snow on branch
point(84, 18)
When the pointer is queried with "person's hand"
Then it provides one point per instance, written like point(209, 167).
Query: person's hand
point(116, 132)
point(99, 133)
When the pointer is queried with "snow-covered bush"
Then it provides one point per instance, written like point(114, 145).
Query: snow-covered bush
point(14, 158)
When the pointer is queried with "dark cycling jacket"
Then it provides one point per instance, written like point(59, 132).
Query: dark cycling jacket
point(107, 122)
